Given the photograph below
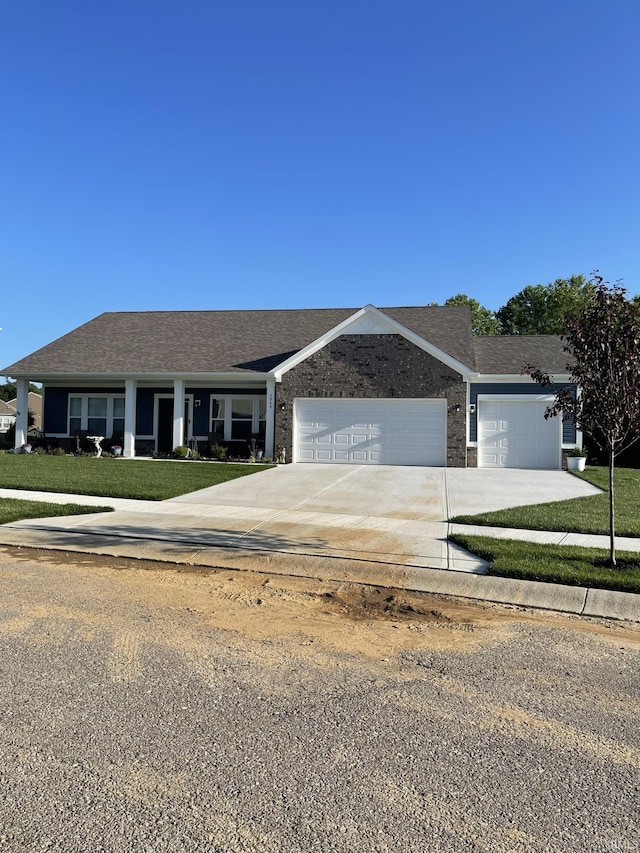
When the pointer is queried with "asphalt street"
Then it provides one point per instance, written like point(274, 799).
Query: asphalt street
point(149, 709)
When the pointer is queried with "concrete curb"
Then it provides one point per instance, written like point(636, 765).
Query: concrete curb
point(520, 593)
point(612, 605)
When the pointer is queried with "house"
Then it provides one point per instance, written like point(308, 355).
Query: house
point(7, 417)
point(34, 404)
point(405, 386)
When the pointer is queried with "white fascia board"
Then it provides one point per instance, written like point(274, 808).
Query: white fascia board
point(525, 379)
point(146, 378)
point(392, 326)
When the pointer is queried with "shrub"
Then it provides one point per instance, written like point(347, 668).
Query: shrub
point(181, 452)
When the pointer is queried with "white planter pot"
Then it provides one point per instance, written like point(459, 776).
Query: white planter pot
point(576, 463)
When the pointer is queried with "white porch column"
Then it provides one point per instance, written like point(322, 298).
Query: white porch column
point(129, 448)
point(178, 412)
point(270, 419)
point(22, 417)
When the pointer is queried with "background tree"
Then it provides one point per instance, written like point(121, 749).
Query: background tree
point(9, 390)
point(542, 309)
point(604, 345)
point(483, 321)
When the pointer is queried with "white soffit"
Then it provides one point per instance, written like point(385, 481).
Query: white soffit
point(370, 321)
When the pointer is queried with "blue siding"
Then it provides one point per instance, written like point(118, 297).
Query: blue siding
point(54, 417)
point(57, 402)
point(144, 408)
point(568, 427)
point(200, 412)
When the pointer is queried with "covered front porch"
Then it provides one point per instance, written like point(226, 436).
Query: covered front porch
point(143, 415)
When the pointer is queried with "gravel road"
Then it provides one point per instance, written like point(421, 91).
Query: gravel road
point(148, 709)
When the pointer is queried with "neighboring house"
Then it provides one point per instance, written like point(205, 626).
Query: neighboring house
point(7, 417)
point(405, 386)
point(34, 406)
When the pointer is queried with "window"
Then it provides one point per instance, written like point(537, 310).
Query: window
point(97, 414)
point(118, 417)
point(75, 415)
point(242, 418)
point(217, 417)
point(238, 418)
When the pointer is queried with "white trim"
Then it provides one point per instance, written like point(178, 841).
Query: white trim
point(497, 378)
point(270, 415)
point(84, 397)
point(228, 420)
point(377, 317)
point(467, 413)
point(203, 379)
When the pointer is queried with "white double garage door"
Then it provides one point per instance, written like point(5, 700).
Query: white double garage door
point(512, 433)
point(371, 432)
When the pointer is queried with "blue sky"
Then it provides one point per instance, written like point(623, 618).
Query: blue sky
point(209, 155)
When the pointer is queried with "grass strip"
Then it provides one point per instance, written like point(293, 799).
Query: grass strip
point(151, 480)
point(563, 564)
point(13, 509)
point(576, 515)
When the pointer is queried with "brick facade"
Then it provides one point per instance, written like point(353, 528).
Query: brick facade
point(374, 365)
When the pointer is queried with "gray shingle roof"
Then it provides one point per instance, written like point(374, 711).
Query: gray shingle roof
point(500, 355)
point(221, 341)
point(249, 341)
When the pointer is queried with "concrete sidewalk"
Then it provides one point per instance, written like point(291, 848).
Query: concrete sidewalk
point(310, 529)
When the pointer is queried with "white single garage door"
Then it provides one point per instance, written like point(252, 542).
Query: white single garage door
point(371, 432)
point(515, 434)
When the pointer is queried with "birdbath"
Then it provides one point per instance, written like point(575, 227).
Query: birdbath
point(95, 440)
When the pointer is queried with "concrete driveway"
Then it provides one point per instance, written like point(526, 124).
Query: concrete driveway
point(395, 516)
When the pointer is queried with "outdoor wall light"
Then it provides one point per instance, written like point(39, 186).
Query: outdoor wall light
point(456, 408)
point(282, 407)
point(472, 408)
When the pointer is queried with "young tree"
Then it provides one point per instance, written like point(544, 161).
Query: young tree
point(604, 345)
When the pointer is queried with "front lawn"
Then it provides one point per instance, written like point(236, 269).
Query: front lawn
point(147, 479)
point(562, 564)
point(12, 509)
point(577, 515)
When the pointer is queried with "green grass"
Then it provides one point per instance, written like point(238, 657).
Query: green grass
point(108, 477)
point(563, 564)
point(12, 509)
point(577, 515)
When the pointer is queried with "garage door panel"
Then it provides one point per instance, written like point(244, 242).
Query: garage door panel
point(402, 432)
point(515, 434)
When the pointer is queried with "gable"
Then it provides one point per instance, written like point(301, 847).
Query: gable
point(373, 321)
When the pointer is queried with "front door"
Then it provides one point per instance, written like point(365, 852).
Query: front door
point(164, 430)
